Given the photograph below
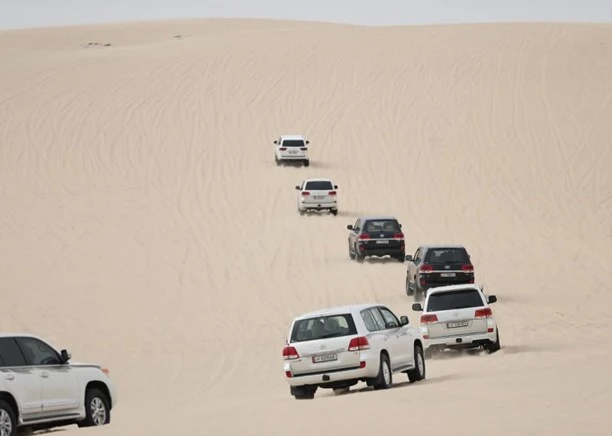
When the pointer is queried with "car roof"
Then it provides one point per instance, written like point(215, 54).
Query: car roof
point(337, 310)
point(317, 180)
point(283, 137)
point(18, 334)
point(448, 288)
point(377, 217)
point(434, 246)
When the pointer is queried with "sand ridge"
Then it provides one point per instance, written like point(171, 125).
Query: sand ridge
point(144, 224)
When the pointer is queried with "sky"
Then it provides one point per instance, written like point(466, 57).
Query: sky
point(39, 13)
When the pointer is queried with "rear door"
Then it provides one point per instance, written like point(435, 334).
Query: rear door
point(322, 343)
point(382, 234)
point(456, 313)
point(295, 148)
point(450, 265)
point(320, 192)
point(20, 380)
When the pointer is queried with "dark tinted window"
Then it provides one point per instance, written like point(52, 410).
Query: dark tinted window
point(323, 327)
point(319, 186)
point(381, 226)
point(37, 352)
point(293, 143)
point(10, 354)
point(454, 300)
point(447, 255)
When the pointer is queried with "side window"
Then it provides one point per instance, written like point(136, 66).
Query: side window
point(356, 225)
point(10, 354)
point(380, 321)
point(369, 321)
point(390, 319)
point(417, 255)
point(38, 353)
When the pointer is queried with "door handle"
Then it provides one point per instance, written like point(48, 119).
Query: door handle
point(45, 374)
point(10, 377)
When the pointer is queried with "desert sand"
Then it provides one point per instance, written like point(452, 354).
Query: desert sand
point(145, 226)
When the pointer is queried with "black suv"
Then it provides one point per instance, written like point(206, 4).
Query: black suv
point(376, 236)
point(437, 265)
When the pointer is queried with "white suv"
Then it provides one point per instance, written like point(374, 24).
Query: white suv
point(338, 347)
point(458, 317)
point(40, 388)
point(291, 148)
point(317, 194)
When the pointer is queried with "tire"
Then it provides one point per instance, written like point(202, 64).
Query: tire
point(307, 163)
point(419, 372)
point(409, 291)
point(401, 258)
point(8, 420)
point(303, 392)
point(496, 346)
point(359, 257)
point(97, 409)
point(334, 212)
point(351, 254)
point(384, 380)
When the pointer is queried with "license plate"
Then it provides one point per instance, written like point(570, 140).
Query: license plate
point(319, 197)
point(384, 241)
point(453, 325)
point(292, 151)
point(447, 274)
point(324, 358)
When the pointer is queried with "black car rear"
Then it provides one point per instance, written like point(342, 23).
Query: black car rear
point(446, 266)
point(381, 237)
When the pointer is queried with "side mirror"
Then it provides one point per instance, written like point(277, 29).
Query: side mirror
point(491, 299)
point(349, 227)
point(404, 320)
point(409, 257)
point(335, 186)
point(307, 142)
point(297, 188)
point(275, 141)
point(417, 307)
point(65, 356)
point(400, 226)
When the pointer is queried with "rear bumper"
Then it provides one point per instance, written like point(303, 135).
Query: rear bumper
point(292, 157)
point(460, 341)
point(383, 251)
point(319, 206)
point(332, 377)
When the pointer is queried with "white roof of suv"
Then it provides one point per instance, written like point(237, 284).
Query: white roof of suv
point(337, 310)
point(292, 137)
point(447, 288)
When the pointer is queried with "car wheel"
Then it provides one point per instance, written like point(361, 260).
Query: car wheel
point(358, 255)
point(8, 421)
point(334, 212)
point(496, 346)
point(307, 163)
point(384, 380)
point(97, 409)
point(409, 291)
point(303, 392)
point(351, 254)
point(419, 371)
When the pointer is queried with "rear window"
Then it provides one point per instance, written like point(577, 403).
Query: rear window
point(454, 300)
point(293, 143)
point(319, 185)
point(323, 327)
point(447, 255)
point(381, 226)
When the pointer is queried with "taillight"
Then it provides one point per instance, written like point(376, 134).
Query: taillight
point(360, 343)
point(429, 318)
point(398, 235)
point(426, 268)
point(283, 148)
point(331, 193)
point(483, 313)
point(467, 268)
point(364, 236)
point(305, 193)
point(290, 353)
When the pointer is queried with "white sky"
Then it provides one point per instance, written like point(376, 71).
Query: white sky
point(34, 13)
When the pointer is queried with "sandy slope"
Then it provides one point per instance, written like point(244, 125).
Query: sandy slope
point(144, 225)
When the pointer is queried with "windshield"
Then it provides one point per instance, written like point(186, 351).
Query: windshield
point(381, 226)
point(319, 185)
point(462, 299)
point(293, 143)
point(323, 327)
point(446, 255)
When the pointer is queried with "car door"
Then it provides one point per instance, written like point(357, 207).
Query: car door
point(19, 379)
point(60, 385)
point(412, 266)
point(397, 336)
point(353, 233)
point(389, 337)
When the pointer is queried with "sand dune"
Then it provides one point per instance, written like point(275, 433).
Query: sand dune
point(144, 225)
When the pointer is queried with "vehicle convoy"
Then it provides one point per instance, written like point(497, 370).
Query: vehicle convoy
point(437, 265)
point(291, 148)
point(376, 236)
point(41, 389)
point(458, 317)
point(338, 347)
point(317, 194)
